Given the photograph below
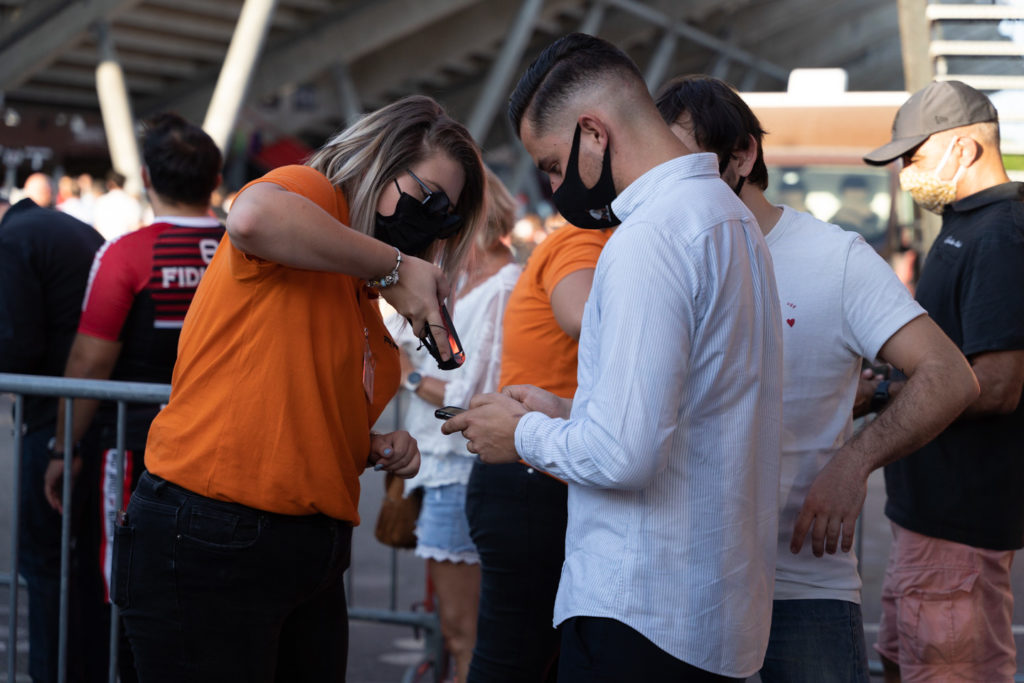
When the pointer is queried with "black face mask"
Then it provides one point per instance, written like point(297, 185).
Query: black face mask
point(723, 163)
point(739, 185)
point(414, 226)
point(582, 206)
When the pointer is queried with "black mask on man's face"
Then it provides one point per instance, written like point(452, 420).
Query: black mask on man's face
point(582, 206)
point(412, 228)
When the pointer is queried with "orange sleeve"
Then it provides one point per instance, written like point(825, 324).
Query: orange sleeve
point(301, 180)
point(579, 250)
point(305, 181)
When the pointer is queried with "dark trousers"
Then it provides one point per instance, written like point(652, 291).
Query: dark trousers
point(39, 564)
point(816, 641)
point(598, 650)
point(214, 591)
point(517, 519)
point(39, 557)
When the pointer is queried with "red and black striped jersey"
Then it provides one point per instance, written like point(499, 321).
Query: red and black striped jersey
point(139, 290)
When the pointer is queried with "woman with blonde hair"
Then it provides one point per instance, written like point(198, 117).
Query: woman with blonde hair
point(229, 562)
point(442, 531)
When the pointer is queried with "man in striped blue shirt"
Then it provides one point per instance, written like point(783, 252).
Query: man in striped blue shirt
point(670, 446)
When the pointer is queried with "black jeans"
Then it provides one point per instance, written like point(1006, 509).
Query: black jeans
point(215, 591)
point(599, 650)
point(517, 519)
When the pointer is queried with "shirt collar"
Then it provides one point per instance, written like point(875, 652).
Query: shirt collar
point(991, 195)
point(189, 221)
point(22, 205)
point(641, 189)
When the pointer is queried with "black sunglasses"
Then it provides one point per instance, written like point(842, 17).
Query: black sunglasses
point(437, 205)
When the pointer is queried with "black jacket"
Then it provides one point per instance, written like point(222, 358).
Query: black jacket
point(45, 257)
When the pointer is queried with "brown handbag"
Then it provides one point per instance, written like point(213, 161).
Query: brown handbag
point(396, 522)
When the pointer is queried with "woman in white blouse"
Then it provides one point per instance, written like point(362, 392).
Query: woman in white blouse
point(442, 530)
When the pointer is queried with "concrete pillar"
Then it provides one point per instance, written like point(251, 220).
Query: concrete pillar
point(116, 109)
point(524, 176)
point(592, 22)
point(348, 96)
point(915, 36)
point(660, 60)
point(495, 90)
point(236, 73)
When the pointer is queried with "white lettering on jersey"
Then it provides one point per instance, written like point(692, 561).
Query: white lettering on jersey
point(181, 276)
point(207, 247)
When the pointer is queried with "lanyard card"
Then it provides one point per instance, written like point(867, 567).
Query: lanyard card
point(369, 362)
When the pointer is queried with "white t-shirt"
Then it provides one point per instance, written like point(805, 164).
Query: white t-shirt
point(840, 302)
point(116, 213)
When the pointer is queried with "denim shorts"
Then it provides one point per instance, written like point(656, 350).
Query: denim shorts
point(442, 532)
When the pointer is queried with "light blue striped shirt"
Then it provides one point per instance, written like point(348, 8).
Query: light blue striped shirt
point(672, 448)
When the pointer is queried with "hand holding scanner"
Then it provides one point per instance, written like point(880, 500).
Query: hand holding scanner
point(458, 356)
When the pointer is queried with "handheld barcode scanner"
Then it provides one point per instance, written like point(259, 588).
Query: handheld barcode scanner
point(458, 356)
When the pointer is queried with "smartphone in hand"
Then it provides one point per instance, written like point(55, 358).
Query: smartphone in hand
point(448, 412)
point(458, 356)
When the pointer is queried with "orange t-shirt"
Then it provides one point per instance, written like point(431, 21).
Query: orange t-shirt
point(268, 406)
point(535, 350)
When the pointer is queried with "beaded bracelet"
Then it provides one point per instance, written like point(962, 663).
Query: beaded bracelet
point(389, 279)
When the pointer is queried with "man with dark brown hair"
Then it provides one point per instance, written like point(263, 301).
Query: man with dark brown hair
point(670, 444)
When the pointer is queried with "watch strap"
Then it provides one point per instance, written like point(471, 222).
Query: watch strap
point(412, 381)
point(881, 396)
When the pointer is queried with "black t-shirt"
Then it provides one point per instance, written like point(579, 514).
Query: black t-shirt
point(967, 485)
point(45, 257)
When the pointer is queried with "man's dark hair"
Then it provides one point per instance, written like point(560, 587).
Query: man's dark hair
point(183, 162)
point(560, 70)
point(722, 122)
point(115, 179)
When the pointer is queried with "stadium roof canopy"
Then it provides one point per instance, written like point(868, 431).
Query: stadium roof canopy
point(324, 61)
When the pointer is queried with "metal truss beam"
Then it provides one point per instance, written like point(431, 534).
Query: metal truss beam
point(26, 53)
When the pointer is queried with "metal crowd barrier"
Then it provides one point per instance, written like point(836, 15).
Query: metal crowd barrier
point(138, 392)
point(434, 651)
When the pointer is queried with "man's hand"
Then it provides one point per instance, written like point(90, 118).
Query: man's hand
point(490, 427)
point(53, 481)
point(832, 506)
point(395, 452)
point(537, 399)
point(869, 380)
point(940, 385)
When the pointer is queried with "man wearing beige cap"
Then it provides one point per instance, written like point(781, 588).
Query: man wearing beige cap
point(956, 507)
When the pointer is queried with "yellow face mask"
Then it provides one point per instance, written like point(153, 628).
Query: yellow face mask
point(928, 190)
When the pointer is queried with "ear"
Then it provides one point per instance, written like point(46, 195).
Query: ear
point(592, 129)
point(968, 150)
point(745, 158)
point(146, 182)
